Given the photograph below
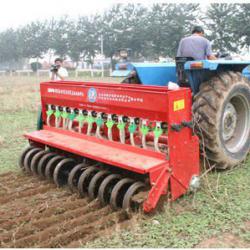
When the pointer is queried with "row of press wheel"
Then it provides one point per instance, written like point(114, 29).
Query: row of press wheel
point(86, 179)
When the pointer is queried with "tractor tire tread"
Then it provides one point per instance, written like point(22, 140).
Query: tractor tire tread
point(206, 109)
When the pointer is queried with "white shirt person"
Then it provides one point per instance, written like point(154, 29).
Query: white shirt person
point(57, 71)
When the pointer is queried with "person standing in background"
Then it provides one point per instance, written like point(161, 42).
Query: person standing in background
point(57, 71)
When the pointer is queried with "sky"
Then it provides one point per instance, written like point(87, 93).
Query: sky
point(14, 13)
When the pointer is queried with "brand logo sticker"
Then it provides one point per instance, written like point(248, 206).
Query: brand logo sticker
point(92, 95)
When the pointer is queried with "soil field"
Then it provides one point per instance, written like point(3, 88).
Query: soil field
point(34, 213)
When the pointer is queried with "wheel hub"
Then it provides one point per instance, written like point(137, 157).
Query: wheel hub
point(229, 121)
point(236, 123)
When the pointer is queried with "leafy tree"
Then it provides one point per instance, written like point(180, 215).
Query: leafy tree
point(34, 39)
point(167, 24)
point(241, 25)
point(150, 32)
point(35, 66)
point(10, 50)
point(83, 38)
point(123, 27)
point(59, 35)
point(220, 22)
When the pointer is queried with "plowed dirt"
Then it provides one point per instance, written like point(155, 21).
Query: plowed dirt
point(34, 213)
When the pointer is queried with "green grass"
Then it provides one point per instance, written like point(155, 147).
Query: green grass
point(11, 136)
point(223, 207)
point(222, 204)
point(19, 101)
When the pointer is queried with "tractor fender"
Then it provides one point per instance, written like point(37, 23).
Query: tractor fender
point(222, 65)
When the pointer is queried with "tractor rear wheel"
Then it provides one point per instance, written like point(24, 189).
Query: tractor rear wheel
point(222, 119)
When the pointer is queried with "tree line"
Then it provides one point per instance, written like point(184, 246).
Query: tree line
point(149, 32)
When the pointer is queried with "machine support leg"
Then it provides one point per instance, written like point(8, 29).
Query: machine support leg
point(160, 187)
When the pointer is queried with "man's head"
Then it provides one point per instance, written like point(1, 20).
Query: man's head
point(198, 30)
point(59, 62)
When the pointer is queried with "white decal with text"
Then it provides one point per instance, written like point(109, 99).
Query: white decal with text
point(119, 98)
point(65, 92)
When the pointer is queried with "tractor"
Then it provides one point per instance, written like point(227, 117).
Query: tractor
point(123, 66)
point(129, 144)
point(221, 102)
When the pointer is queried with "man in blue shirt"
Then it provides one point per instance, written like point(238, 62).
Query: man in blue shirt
point(196, 46)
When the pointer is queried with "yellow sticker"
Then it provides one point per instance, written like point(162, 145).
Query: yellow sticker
point(179, 105)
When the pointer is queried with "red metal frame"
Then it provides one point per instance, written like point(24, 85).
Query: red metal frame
point(154, 103)
point(110, 152)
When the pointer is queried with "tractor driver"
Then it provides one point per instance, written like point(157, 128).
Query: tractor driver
point(58, 72)
point(196, 46)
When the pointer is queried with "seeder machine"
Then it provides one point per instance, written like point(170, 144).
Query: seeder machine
point(115, 142)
